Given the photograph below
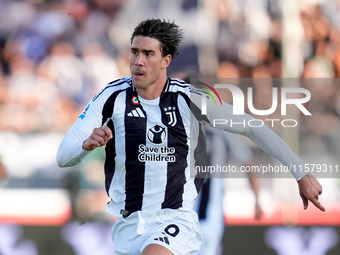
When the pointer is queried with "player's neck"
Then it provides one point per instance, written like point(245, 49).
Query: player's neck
point(154, 90)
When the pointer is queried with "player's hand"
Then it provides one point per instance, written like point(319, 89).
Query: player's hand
point(99, 137)
point(310, 189)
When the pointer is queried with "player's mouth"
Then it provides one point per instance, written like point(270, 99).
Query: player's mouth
point(138, 74)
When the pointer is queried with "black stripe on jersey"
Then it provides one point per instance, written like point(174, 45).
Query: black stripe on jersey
point(135, 130)
point(174, 82)
point(200, 150)
point(177, 138)
point(196, 111)
point(203, 203)
point(110, 85)
point(109, 166)
point(130, 83)
point(200, 159)
point(166, 87)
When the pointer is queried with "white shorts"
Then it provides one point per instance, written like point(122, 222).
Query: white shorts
point(176, 230)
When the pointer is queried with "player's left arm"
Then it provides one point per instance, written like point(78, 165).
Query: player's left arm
point(268, 141)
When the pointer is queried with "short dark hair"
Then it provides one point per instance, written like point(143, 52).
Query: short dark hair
point(167, 33)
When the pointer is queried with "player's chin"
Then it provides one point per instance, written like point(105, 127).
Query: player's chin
point(138, 81)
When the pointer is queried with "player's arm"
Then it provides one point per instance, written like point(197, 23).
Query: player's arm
point(268, 141)
point(99, 137)
point(222, 117)
point(76, 145)
point(86, 134)
point(272, 144)
point(70, 151)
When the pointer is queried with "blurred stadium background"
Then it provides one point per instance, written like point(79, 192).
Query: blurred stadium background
point(54, 55)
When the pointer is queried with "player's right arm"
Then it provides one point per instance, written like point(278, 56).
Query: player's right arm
point(86, 134)
point(71, 151)
point(99, 137)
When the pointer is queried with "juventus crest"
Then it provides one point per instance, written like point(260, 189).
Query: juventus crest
point(171, 112)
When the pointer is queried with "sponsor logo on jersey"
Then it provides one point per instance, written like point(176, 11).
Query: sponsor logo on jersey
point(156, 134)
point(82, 115)
point(148, 153)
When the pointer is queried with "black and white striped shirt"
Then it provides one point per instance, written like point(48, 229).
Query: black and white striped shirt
point(150, 160)
point(147, 163)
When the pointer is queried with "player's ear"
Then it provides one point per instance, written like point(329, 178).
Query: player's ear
point(166, 61)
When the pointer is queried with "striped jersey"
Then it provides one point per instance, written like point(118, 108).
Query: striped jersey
point(151, 159)
point(147, 164)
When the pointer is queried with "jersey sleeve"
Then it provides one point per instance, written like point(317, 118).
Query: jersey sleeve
point(221, 116)
point(70, 151)
point(239, 150)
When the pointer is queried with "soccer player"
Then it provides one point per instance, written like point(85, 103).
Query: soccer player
point(150, 126)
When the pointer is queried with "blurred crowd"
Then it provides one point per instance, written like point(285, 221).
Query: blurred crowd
point(55, 55)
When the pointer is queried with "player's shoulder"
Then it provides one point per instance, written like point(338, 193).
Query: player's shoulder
point(177, 85)
point(188, 91)
point(122, 82)
point(114, 86)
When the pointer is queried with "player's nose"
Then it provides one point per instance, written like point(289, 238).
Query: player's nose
point(139, 60)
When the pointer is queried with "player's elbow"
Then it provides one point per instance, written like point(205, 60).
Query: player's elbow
point(60, 161)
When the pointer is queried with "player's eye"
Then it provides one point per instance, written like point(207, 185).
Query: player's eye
point(148, 53)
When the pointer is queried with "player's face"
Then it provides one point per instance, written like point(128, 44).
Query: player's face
point(147, 65)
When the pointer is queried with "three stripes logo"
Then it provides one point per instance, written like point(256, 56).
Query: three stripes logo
point(136, 113)
point(171, 230)
point(163, 239)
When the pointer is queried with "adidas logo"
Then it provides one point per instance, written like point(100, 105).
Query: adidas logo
point(162, 239)
point(136, 113)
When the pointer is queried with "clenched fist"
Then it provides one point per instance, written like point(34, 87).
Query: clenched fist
point(99, 137)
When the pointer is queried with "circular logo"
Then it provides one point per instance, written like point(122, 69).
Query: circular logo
point(134, 100)
point(156, 134)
